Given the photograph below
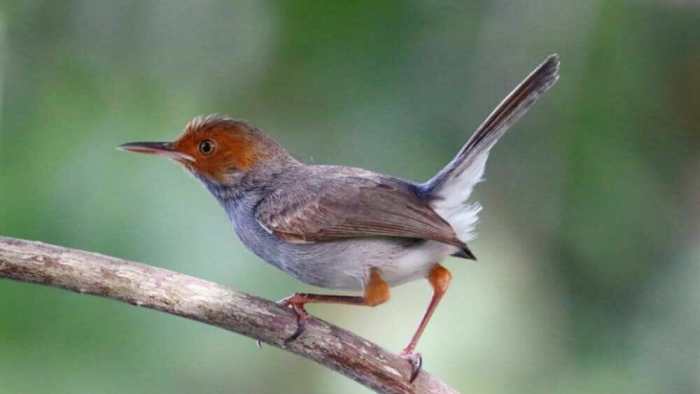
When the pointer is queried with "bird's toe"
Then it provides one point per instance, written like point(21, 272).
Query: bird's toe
point(296, 304)
point(415, 360)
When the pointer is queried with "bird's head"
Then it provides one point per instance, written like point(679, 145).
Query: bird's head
point(217, 149)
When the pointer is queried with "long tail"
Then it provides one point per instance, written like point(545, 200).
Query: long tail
point(450, 189)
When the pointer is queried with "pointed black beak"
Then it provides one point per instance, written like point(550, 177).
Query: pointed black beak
point(165, 149)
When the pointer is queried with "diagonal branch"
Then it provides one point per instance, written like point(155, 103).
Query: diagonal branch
point(212, 304)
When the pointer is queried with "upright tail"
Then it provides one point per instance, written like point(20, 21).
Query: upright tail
point(449, 190)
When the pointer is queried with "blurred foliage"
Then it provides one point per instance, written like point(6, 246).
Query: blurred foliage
point(588, 257)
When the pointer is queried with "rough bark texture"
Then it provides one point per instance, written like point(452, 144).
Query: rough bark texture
point(213, 304)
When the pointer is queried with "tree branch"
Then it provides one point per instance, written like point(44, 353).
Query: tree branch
point(212, 304)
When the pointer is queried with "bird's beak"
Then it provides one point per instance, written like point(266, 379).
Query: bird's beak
point(166, 149)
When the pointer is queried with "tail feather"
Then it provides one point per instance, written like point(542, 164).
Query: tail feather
point(451, 187)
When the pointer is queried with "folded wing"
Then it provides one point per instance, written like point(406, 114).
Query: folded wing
point(344, 207)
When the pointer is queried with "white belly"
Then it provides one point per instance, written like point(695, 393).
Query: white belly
point(415, 263)
point(345, 265)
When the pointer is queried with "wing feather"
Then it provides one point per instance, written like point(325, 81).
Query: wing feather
point(351, 207)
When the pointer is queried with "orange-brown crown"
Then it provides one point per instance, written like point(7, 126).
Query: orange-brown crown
point(215, 146)
point(218, 146)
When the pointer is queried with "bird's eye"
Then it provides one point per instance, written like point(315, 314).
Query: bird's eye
point(206, 147)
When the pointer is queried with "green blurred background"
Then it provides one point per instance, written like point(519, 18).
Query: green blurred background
point(587, 279)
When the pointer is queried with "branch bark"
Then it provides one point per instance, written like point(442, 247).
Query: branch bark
point(213, 304)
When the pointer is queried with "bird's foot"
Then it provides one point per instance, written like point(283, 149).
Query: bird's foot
point(296, 303)
point(415, 360)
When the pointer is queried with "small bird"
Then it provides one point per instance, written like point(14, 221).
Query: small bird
point(340, 227)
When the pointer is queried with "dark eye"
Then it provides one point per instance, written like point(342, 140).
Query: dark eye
point(206, 147)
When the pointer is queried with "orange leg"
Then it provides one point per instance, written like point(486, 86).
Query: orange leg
point(376, 292)
point(439, 279)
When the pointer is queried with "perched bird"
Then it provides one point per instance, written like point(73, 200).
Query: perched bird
point(340, 227)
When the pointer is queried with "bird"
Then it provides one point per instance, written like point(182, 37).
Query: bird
point(346, 228)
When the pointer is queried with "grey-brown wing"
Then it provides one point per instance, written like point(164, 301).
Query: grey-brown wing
point(351, 207)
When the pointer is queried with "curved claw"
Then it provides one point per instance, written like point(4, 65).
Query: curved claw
point(301, 326)
point(302, 316)
point(416, 362)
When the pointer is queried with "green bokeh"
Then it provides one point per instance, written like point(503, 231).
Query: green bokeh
point(588, 251)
